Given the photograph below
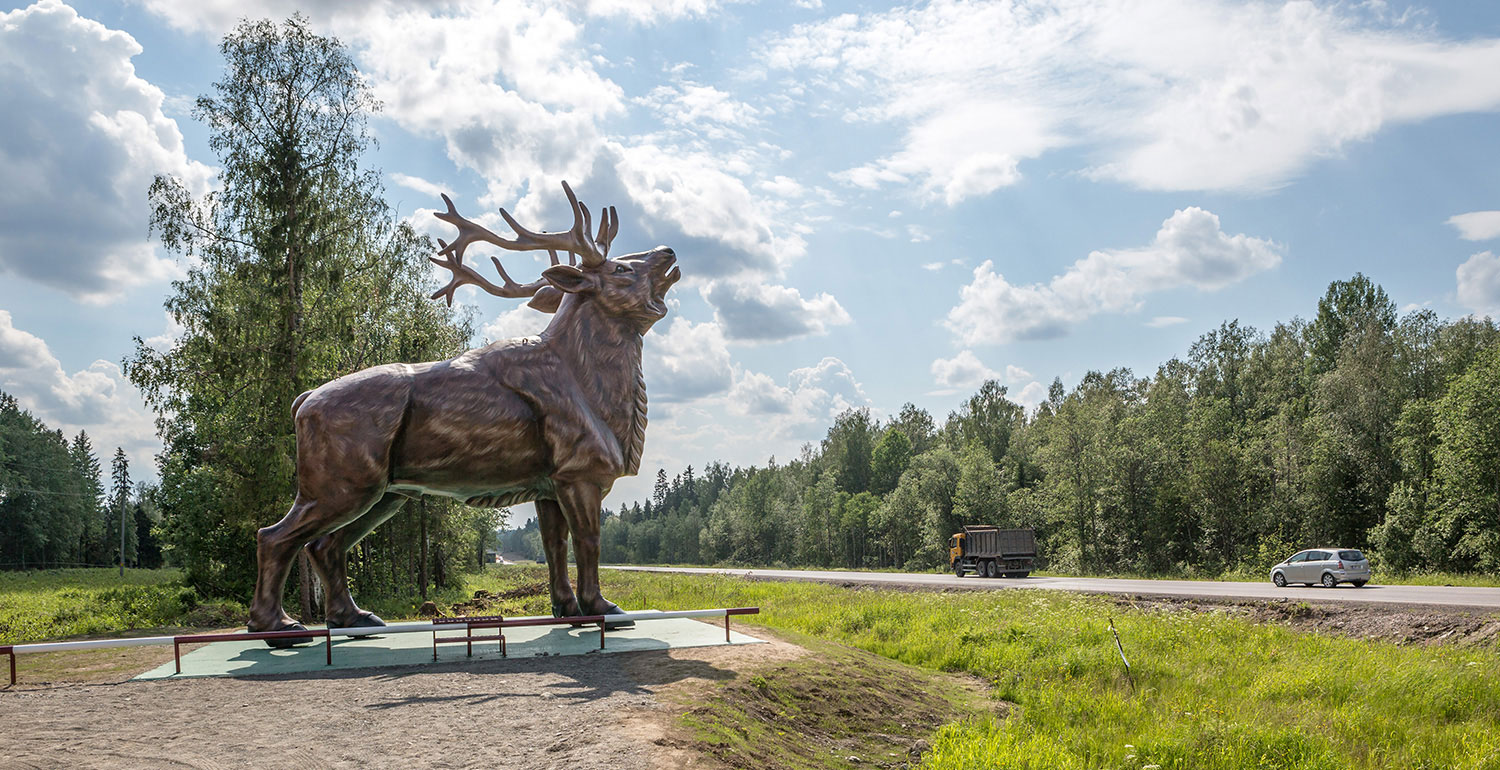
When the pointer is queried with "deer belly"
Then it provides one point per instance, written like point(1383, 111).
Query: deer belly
point(462, 438)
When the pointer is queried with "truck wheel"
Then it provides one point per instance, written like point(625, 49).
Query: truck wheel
point(991, 570)
point(958, 570)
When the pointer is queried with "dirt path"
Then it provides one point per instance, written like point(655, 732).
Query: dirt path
point(580, 712)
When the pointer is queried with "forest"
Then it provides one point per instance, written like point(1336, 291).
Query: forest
point(1358, 428)
point(55, 510)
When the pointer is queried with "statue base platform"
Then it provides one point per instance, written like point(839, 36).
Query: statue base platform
point(397, 647)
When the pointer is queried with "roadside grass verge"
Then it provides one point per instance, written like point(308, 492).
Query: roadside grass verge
point(1205, 691)
point(57, 604)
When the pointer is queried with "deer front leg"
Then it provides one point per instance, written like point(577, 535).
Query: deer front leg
point(580, 505)
point(549, 518)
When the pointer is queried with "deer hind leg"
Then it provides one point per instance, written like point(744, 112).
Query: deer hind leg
point(549, 519)
point(328, 555)
point(580, 506)
point(277, 544)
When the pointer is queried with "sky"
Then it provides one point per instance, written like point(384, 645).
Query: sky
point(872, 204)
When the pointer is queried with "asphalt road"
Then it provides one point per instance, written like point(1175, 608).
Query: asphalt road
point(1442, 596)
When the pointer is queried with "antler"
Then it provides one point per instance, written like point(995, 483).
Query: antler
point(575, 241)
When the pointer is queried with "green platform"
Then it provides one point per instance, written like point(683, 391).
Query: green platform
point(253, 658)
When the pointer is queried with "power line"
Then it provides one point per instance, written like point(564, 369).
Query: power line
point(38, 467)
point(8, 490)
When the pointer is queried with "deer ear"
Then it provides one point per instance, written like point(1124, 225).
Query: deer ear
point(546, 299)
point(567, 278)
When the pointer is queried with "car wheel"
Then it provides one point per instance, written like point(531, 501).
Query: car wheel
point(1279, 579)
point(1329, 581)
point(1359, 584)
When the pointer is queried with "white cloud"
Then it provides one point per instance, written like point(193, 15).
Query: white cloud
point(1477, 225)
point(781, 187)
point(1165, 94)
point(690, 361)
point(503, 84)
point(81, 138)
point(1015, 374)
point(762, 312)
point(1162, 321)
point(690, 192)
point(98, 398)
point(755, 393)
point(218, 16)
point(172, 332)
point(1479, 284)
point(701, 107)
point(964, 370)
point(804, 406)
point(418, 184)
point(1190, 250)
point(653, 11)
point(1034, 393)
point(933, 266)
point(522, 321)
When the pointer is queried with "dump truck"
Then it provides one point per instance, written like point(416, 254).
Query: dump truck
point(992, 552)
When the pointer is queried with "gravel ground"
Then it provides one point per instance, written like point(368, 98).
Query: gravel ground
point(582, 713)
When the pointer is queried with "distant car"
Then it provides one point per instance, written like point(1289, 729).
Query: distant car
point(1329, 566)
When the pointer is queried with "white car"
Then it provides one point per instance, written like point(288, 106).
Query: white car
point(1329, 566)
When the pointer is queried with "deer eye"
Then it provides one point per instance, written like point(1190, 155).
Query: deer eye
point(621, 269)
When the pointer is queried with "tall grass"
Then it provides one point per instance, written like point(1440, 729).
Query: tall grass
point(1209, 690)
point(55, 604)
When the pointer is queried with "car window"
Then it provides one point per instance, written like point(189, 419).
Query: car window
point(1351, 556)
point(1319, 556)
point(1297, 558)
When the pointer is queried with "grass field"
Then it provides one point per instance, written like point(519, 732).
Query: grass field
point(1205, 690)
point(68, 603)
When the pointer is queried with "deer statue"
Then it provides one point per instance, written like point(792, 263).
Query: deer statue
point(553, 419)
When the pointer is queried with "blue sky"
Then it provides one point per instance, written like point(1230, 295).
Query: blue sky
point(872, 204)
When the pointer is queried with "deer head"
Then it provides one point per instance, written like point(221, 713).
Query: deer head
point(632, 288)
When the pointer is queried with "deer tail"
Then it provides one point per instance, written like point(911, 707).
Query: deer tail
point(297, 404)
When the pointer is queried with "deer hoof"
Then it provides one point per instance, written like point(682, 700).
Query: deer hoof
point(610, 608)
point(362, 619)
point(292, 641)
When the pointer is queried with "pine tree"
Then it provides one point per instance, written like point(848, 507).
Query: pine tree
point(659, 495)
point(93, 520)
point(121, 514)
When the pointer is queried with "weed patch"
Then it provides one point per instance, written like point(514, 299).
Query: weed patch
point(839, 708)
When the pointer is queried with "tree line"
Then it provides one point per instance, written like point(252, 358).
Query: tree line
point(1357, 428)
point(55, 508)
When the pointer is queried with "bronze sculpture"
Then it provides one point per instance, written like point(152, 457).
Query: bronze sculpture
point(553, 419)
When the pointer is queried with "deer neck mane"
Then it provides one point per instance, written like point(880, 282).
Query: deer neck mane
point(604, 353)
